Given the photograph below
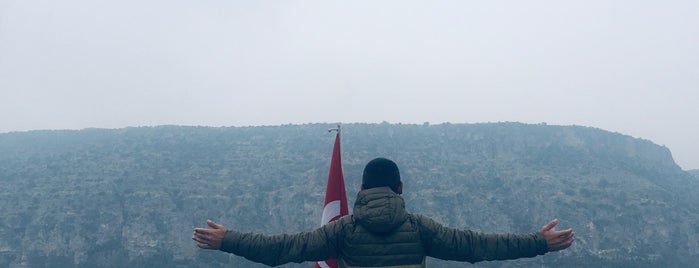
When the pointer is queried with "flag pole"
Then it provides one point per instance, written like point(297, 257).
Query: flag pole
point(335, 129)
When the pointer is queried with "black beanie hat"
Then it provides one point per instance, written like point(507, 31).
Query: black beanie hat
point(381, 172)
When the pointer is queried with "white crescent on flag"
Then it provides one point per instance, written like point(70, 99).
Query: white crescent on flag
point(330, 211)
point(322, 264)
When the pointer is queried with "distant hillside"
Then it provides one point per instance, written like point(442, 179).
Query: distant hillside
point(130, 197)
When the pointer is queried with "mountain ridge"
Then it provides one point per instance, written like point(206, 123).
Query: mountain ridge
point(129, 197)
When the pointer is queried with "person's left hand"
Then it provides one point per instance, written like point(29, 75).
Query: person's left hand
point(209, 238)
point(557, 240)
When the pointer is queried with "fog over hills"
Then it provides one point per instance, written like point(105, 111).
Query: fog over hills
point(130, 197)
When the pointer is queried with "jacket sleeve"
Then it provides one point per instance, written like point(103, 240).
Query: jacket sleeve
point(466, 245)
point(273, 250)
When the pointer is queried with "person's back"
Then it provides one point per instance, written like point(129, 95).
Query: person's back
point(380, 232)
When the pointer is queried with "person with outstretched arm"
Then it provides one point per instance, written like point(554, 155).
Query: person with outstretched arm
point(381, 233)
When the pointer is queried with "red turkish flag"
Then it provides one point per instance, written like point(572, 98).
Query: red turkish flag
point(335, 197)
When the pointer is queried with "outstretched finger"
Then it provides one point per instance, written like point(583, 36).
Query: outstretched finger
point(549, 225)
point(200, 238)
point(563, 244)
point(204, 246)
point(202, 231)
point(214, 225)
point(562, 233)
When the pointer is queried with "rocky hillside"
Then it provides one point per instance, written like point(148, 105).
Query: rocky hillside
point(130, 197)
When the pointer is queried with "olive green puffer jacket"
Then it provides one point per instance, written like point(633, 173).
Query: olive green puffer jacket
point(381, 233)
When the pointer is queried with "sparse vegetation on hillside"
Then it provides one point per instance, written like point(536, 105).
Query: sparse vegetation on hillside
point(130, 197)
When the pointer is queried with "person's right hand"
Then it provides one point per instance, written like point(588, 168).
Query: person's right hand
point(557, 240)
point(209, 238)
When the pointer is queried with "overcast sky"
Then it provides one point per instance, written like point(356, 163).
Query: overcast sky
point(624, 66)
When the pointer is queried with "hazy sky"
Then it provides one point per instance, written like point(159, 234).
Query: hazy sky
point(624, 66)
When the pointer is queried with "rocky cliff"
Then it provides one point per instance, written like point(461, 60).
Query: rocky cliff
point(130, 197)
